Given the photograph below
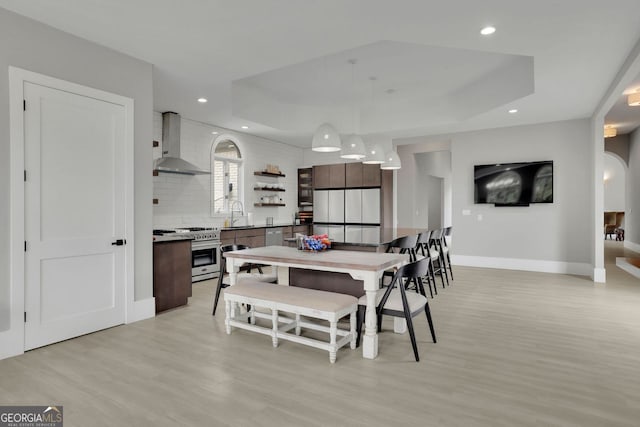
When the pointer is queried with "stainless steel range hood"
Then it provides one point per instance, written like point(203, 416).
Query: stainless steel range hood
point(171, 162)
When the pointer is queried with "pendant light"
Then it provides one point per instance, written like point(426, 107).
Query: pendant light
point(391, 161)
point(375, 155)
point(391, 158)
point(354, 147)
point(326, 139)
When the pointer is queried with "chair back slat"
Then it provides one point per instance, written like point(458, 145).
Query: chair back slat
point(413, 270)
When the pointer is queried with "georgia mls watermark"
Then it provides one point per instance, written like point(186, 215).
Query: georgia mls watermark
point(30, 416)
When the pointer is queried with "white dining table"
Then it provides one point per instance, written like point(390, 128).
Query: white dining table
point(365, 266)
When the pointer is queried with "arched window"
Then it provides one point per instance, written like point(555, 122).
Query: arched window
point(226, 167)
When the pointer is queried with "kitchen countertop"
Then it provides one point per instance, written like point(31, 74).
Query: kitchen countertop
point(249, 227)
point(386, 236)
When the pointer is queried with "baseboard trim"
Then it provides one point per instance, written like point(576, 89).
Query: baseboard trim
point(622, 263)
point(142, 309)
point(560, 267)
point(631, 245)
point(599, 275)
point(12, 342)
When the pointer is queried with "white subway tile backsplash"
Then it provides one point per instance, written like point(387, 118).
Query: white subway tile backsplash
point(185, 200)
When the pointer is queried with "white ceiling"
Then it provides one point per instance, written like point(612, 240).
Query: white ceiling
point(199, 48)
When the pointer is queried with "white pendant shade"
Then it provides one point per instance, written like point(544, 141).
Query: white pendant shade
point(375, 155)
point(391, 161)
point(354, 148)
point(326, 139)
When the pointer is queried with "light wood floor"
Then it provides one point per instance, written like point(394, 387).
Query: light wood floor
point(514, 349)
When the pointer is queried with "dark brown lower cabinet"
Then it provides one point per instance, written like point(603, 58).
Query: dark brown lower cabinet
point(171, 273)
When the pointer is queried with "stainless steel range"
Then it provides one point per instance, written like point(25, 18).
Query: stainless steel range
point(205, 251)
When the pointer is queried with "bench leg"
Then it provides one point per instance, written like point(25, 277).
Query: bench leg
point(227, 312)
point(274, 333)
point(352, 321)
point(297, 324)
point(252, 317)
point(333, 327)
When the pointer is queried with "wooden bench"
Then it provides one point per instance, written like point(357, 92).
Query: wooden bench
point(312, 303)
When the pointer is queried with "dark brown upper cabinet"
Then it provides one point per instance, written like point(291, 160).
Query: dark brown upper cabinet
point(359, 175)
point(371, 176)
point(336, 176)
point(329, 176)
point(354, 175)
point(321, 176)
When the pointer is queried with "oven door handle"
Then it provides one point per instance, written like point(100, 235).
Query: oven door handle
point(204, 244)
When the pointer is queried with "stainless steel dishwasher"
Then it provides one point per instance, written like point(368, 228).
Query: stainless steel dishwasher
point(274, 237)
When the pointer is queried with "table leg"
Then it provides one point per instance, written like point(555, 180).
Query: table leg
point(370, 338)
point(233, 268)
point(283, 274)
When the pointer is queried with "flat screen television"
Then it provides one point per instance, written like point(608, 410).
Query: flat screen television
point(514, 184)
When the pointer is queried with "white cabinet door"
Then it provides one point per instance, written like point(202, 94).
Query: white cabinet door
point(353, 233)
point(321, 206)
point(320, 229)
point(336, 206)
point(371, 206)
point(370, 234)
point(353, 206)
point(336, 233)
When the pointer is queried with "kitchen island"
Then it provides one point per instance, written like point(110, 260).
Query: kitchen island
point(342, 282)
point(387, 235)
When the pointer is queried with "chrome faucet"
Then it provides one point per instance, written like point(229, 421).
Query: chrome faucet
point(233, 206)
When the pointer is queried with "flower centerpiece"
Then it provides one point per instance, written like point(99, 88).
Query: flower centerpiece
point(315, 243)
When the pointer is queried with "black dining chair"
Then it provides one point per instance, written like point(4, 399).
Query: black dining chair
point(396, 301)
point(403, 245)
point(438, 256)
point(224, 281)
point(423, 251)
point(445, 249)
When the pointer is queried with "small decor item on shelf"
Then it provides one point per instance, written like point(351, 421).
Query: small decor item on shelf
point(314, 243)
point(273, 169)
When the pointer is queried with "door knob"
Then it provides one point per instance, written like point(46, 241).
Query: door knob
point(119, 242)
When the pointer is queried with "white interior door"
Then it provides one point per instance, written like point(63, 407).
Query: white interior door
point(74, 209)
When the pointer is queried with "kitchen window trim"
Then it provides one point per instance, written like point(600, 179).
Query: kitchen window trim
point(240, 162)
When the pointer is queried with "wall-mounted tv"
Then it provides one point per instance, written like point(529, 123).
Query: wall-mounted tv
point(514, 184)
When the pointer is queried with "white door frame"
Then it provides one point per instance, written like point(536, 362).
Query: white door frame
point(12, 341)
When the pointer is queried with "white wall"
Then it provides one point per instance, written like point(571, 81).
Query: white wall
point(545, 237)
point(432, 192)
point(185, 200)
point(30, 45)
point(632, 213)
point(426, 156)
point(614, 184)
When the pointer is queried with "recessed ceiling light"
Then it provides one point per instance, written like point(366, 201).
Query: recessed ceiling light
point(202, 100)
point(214, 133)
point(487, 30)
point(513, 111)
point(244, 127)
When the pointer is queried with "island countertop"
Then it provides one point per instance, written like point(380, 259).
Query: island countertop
point(385, 237)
